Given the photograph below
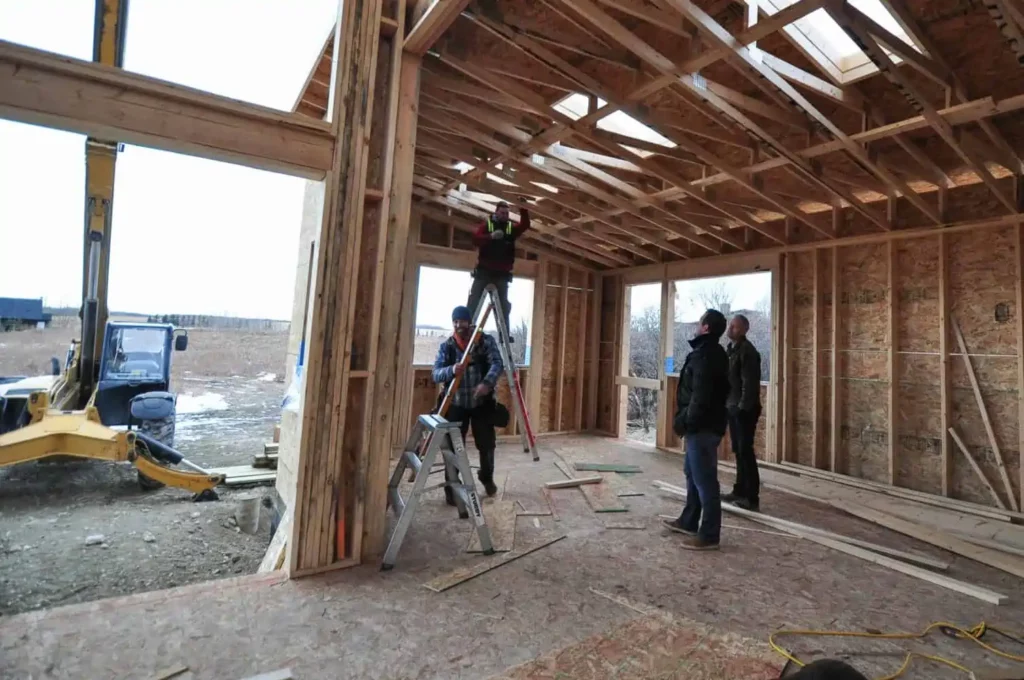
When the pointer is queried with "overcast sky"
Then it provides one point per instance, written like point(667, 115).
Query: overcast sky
point(746, 291)
point(189, 235)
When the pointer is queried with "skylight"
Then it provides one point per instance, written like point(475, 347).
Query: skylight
point(575, 106)
point(823, 40)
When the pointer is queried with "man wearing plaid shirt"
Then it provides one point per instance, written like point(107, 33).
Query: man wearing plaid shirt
point(473, 404)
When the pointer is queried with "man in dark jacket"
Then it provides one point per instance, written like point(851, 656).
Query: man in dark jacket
point(496, 241)
point(744, 407)
point(473, 403)
point(700, 419)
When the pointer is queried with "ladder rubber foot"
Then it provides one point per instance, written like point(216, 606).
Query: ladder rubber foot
point(463, 515)
point(490, 552)
point(386, 567)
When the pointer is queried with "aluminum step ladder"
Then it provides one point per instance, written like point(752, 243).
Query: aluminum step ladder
point(433, 435)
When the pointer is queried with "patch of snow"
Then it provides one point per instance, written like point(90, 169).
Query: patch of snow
point(198, 403)
point(267, 377)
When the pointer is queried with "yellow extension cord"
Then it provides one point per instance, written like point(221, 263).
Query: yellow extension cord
point(973, 634)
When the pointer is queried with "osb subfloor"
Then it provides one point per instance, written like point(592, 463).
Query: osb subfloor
point(600, 604)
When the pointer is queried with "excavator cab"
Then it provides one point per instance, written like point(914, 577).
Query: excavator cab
point(136, 359)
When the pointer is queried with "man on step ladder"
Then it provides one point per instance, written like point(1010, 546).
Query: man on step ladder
point(495, 240)
point(470, 385)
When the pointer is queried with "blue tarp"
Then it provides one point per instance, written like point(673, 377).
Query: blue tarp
point(22, 309)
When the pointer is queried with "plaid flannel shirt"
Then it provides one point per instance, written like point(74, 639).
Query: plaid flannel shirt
point(444, 372)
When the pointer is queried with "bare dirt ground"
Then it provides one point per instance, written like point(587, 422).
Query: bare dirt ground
point(229, 400)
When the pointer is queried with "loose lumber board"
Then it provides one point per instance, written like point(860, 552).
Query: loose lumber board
point(602, 498)
point(484, 565)
point(977, 468)
point(273, 559)
point(606, 467)
point(640, 526)
point(575, 481)
point(283, 674)
point(501, 520)
point(895, 491)
point(620, 486)
point(978, 592)
point(998, 560)
point(786, 525)
point(244, 474)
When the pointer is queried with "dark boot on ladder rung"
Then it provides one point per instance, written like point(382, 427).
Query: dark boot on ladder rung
point(445, 438)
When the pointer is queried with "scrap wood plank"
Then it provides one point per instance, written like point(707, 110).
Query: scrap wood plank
point(482, 566)
point(169, 673)
point(977, 468)
point(620, 485)
point(786, 525)
point(602, 498)
point(563, 468)
point(551, 503)
point(283, 674)
point(946, 541)
point(575, 481)
point(501, 521)
point(606, 467)
point(983, 594)
point(992, 441)
point(626, 525)
point(273, 559)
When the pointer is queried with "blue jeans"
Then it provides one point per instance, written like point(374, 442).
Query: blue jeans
point(703, 510)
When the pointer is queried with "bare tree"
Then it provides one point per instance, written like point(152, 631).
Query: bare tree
point(644, 362)
point(713, 294)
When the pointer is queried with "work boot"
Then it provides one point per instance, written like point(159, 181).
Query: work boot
point(674, 525)
point(697, 543)
point(489, 486)
point(747, 504)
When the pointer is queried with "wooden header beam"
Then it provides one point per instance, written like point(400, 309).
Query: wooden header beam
point(440, 15)
point(41, 88)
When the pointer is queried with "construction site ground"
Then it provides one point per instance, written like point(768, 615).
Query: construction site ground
point(600, 603)
point(51, 513)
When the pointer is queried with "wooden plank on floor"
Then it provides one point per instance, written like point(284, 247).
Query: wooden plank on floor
point(639, 526)
point(573, 482)
point(602, 497)
point(501, 520)
point(940, 539)
point(606, 467)
point(482, 566)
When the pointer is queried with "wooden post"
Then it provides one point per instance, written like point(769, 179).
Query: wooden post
point(338, 462)
point(563, 322)
point(788, 414)
point(535, 377)
point(581, 349)
point(393, 248)
point(944, 398)
point(894, 356)
point(835, 405)
point(407, 337)
point(775, 378)
point(594, 325)
point(622, 319)
point(1019, 243)
point(817, 451)
point(666, 343)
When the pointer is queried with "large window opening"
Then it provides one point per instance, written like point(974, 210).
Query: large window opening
point(746, 294)
point(644, 362)
point(442, 290)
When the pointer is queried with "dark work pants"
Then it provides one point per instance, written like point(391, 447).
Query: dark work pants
point(483, 278)
point(703, 510)
point(742, 426)
point(483, 434)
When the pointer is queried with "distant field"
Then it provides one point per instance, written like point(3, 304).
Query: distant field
point(211, 353)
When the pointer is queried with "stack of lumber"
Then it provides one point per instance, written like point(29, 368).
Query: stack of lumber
point(268, 459)
point(904, 562)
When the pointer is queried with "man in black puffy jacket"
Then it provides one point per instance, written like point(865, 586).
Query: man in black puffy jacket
point(700, 419)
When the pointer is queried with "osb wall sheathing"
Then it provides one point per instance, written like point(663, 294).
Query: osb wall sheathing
point(982, 279)
point(981, 285)
point(862, 342)
point(425, 392)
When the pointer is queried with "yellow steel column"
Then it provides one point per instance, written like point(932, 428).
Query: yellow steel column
point(111, 18)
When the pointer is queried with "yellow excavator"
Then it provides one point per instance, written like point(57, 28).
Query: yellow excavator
point(109, 400)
